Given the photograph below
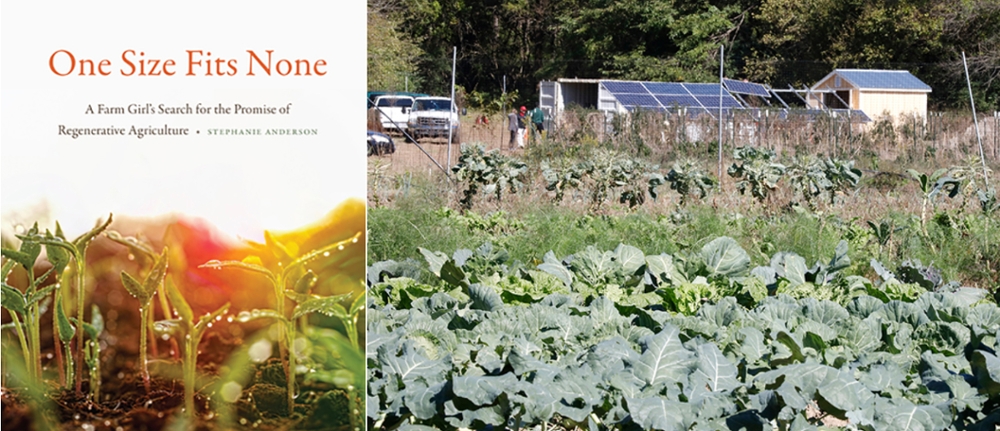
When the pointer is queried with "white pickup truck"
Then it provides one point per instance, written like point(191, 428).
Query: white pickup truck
point(431, 117)
point(394, 112)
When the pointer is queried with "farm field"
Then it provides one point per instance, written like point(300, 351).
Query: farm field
point(617, 282)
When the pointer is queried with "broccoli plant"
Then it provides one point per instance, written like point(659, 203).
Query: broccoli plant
point(495, 172)
point(290, 273)
point(930, 187)
point(757, 171)
point(191, 331)
point(144, 291)
point(689, 179)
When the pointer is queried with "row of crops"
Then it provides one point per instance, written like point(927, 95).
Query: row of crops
point(617, 339)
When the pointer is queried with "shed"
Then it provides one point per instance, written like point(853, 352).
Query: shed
point(876, 92)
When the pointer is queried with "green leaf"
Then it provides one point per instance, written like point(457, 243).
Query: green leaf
point(136, 289)
point(435, 260)
point(725, 257)
point(208, 318)
point(306, 282)
point(83, 241)
point(136, 246)
point(23, 257)
point(553, 266)
point(252, 267)
point(64, 327)
point(58, 256)
point(12, 299)
point(180, 304)
point(484, 298)
point(453, 275)
point(358, 304)
point(247, 316)
point(664, 359)
point(329, 306)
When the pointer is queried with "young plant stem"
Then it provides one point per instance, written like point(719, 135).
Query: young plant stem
point(81, 293)
point(150, 334)
point(144, 322)
point(56, 344)
point(190, 364)
point(285, 340)
point(69, 361)
point(24, 343)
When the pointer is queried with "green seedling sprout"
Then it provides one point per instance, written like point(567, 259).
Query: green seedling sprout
point(77, 249)
point(26, 308)
point(144, 292)
point(92, 350)
point(306, 303)
point(192, 337)
point(65, 331)
point(146, 258)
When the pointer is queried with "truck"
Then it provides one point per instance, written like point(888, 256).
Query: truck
point(432, 117)
point(394, 112)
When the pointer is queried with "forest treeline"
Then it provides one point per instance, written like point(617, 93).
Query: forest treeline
point(778, 42)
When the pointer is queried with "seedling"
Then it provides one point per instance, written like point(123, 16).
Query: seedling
point(192, 337)
point(144, 293)
point(143, 253)
point(306, 303)
point(77, 249)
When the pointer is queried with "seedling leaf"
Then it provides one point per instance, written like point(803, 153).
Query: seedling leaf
point(84, 240)
point(180, 304)
point(306, 283)
point(12, 299)
point(135, 245)
point(329, 306)
point(135, 288)
point(219, 264)
point(26, 259)
point(64, 327)
point(246, 316)
point(37, 296)
point(358, 304)
point(206, 319)
point(58, 256)
point(302, 260)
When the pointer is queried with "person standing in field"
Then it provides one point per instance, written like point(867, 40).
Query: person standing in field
point(512, 122)
point(538, 122)
point(520, 127)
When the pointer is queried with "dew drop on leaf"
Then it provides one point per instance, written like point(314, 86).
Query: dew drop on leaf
point(340, 247)
point(326, 254)
point(165, 337)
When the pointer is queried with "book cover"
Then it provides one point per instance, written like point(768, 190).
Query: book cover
point(182, 215)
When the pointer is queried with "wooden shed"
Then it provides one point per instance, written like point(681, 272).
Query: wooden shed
point(876, 92)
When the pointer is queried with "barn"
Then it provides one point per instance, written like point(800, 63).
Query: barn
point(896, 93)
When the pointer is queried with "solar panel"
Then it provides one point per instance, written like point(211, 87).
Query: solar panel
point(666, 88)
point(681, 101)
point(631, 87)
point(643, 100)
point(750, 88)
point(710, 102)
point(883, 79)
point(703, 89)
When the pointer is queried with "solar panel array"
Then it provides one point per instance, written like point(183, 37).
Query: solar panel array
point(694, 98)
point(697, 99)
point(750, 88)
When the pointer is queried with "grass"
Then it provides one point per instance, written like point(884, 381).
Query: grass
point(962, 245)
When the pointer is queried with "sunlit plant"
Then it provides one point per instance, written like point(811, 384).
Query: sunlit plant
point(144, 291)
point(191, 331)
point(293, 274)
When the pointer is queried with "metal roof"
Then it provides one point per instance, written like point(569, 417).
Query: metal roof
point(867, 79)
